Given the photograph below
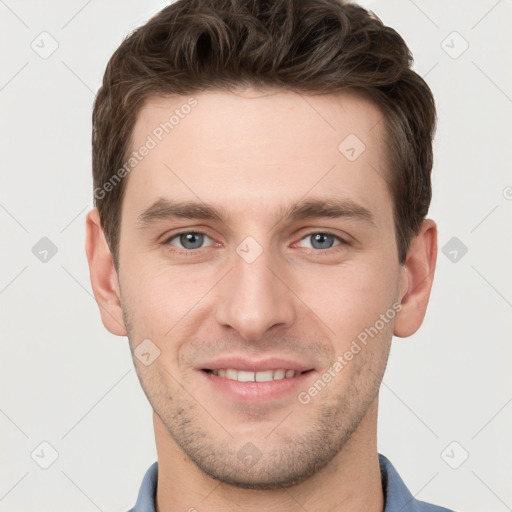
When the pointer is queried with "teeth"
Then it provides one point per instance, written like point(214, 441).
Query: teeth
point(279, 374)
point(245, 376)
point(231, 374)
point(265, 376)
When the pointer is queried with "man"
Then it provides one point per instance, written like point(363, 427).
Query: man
point(262, 177)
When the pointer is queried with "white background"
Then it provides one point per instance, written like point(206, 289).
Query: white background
point(69, 382)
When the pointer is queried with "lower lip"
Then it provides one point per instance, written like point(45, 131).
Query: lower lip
point(257, 391)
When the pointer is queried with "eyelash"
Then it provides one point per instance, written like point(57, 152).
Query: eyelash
point(191, 252)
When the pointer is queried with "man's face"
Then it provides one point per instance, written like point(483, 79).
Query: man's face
point(256, 289)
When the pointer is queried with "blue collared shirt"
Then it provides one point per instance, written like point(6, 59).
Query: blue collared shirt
point(397, 498)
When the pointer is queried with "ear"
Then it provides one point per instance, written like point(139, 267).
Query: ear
point(104, 280)
point(416, 281)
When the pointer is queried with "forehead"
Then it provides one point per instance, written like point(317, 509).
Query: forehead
point(251, 149)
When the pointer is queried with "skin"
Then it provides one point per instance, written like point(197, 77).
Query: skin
point(251, 152)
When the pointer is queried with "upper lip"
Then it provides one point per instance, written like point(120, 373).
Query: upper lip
point(272, 363)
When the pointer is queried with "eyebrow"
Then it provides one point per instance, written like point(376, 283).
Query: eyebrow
point(165, 209)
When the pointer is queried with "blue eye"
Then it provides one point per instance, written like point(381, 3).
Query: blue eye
point(322, 240)
point(189, 240)
point(193, 241)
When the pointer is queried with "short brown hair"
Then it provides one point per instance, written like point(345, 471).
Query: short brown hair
point(304, 46)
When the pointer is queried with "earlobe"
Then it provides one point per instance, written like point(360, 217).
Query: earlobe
point(103, 275)
point(417, 279)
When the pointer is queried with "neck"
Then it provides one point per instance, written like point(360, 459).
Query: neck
point(350, 482)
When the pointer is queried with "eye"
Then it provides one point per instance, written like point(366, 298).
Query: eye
point(194, 240)
point(188, 240)
point(321, 240)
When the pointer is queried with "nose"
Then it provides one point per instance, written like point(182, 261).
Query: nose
point(255, 297)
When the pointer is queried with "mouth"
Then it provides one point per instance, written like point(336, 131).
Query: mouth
point(261, 376)
point(251, 382)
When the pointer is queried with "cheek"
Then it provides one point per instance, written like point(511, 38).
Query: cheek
point(351, 297)
point(161, 298)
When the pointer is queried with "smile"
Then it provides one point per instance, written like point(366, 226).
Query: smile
point(248, 376)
